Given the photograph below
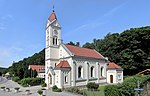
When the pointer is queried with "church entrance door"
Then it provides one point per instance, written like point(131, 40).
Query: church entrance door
point(111, 78)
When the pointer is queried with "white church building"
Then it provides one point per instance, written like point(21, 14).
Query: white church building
point(67, 65)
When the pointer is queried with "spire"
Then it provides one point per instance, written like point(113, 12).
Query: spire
point(52, 17)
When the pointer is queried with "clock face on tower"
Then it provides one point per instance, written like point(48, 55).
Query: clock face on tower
point(55, 32)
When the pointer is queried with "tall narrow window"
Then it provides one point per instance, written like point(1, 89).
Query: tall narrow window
point(92, 71)
point(102, 68)
point(53, 41)
point(80, 72)
point(56, 40)
point(66, 79)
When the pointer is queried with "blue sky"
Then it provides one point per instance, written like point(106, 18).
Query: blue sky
point(22, 22)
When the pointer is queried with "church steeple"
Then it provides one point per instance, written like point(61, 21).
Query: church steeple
point(52, 17)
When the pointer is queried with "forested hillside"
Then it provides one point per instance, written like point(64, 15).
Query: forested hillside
point(21, 68)
point(2, 70)
point(130, 49)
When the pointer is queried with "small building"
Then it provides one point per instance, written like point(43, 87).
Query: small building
point(114, 73)
point(40, 70)
point(7, 75)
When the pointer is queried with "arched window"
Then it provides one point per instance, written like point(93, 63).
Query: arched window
point(102, 68)
point(92, 71)
point(56, 40)
point(66, 79)
point(53, 41)
point(80, 72)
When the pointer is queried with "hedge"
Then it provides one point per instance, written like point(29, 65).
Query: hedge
point(92, 86)
point(127, 87)
point(16, 79)
point(31, 81)
point(56, 89)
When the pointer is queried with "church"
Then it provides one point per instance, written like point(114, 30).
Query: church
point(68, 66)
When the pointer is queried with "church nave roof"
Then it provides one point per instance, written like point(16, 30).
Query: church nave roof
point(79, 51)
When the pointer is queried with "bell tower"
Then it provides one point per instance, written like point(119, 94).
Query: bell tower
point(53, 31)
point(53, 41)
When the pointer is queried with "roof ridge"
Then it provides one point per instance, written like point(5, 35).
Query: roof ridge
point(80, 47)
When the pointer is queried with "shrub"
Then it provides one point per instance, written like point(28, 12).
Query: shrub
point(56, 89)
point(44, 84)
point(31, 81)
point(16, 88)
point(3, 87)
point(16, 79)
point(40, 92)
point(92, 85)
point(74, 90)
point(127, 87)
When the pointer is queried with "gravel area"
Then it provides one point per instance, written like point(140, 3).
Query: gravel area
point(22, 92)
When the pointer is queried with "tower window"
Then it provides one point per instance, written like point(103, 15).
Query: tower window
point(55, 40)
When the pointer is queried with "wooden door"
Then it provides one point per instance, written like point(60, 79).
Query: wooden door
point(111, 78)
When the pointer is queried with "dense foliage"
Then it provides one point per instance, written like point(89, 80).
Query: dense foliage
point(56, 89)
point(40, 92)
point(3, 70)
point(31, 81)
point(16, 79)
point(75, 90)
point(20, 68)
point(130, 49)
point(44, 84)
point(92, 86)
point(74, 44)
point(127, 87)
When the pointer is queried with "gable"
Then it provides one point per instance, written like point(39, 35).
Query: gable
point(112, 65)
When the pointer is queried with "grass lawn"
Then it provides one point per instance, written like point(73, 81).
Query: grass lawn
point(96, 93)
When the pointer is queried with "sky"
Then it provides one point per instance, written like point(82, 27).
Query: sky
point(23, 22)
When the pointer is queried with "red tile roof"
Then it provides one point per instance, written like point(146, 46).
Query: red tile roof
point(38, 68)
point(52, 16)
point(78, 51)
point(112, 65)
point(63, 64)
